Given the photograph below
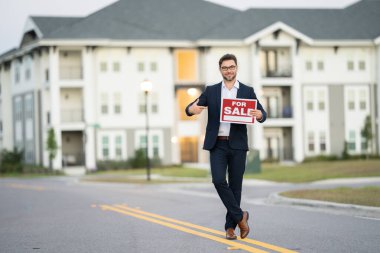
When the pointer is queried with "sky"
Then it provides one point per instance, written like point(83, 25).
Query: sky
point(14, 13)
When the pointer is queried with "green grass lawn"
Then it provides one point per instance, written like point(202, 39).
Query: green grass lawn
point(313, 171)
point(304, 172)
point(366, 196)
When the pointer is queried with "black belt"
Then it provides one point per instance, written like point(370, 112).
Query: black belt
point(222, 138)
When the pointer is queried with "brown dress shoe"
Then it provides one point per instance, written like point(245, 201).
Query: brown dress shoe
point(230, 234)
point(243, 225)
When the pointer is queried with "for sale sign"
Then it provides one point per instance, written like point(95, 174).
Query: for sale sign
point(237, 110)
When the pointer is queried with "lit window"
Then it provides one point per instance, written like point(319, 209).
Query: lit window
point(186, 61)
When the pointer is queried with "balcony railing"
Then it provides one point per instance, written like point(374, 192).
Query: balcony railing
point(72, 159)
point(71, 73)
point(287, 112)
point(280, 154)
point(286, 72)
point(72, 115)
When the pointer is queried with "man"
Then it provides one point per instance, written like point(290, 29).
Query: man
point(227, 143)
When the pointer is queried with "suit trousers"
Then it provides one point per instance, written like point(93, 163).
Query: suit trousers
point(221, 158)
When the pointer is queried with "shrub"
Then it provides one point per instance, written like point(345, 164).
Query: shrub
point(11, 161)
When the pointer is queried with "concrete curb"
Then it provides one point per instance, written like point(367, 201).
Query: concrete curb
point(357, 210)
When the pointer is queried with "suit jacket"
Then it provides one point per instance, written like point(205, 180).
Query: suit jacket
point(211, 97)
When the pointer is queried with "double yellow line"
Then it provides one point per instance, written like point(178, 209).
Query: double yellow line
point(189, 228)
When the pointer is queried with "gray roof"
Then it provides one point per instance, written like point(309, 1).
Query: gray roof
point(198, 19)
point(148, 19)
point(48, 25)
point(356, 22)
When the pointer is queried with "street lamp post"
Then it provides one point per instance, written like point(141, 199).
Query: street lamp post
point(146, 86)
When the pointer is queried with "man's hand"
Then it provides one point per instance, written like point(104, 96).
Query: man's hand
point(195, 109)
point(256, 113)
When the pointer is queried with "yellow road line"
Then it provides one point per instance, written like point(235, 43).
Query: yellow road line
point(255, 242)
point(184, 229)
point(27, 187)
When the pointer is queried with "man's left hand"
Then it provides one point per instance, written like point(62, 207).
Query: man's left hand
point(256, 113)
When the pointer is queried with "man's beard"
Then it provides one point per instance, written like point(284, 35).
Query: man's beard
point(229, 78)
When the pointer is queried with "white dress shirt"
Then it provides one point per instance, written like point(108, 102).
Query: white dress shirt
point(224, 128)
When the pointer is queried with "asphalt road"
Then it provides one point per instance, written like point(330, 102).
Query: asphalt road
point(63, 214)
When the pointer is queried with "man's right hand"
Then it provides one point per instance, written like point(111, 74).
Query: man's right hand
point(195, 108)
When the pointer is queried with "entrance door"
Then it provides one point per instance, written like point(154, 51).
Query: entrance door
point(189, 149)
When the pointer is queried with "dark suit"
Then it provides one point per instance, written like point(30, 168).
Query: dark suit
point(230, 153)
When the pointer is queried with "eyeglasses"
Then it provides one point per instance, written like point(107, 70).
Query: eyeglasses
point(224, 68)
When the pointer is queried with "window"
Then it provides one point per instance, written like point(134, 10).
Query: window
point(116, 67)
point(154, 102)
point(117, 100)
point(322, 141)
point(320, 66)
point(153, 66)
point(142, 143)
point(47, 75)
point(310, 138)
point(309, 66)
point(362, 65)
point(105, 147)
point(118, 149)
point(186, 63)
point(140, 67)
point(155, 146)
point(351, 100)
point(309, 100)
point(321, 98)
point(27, 74)
point(364, 145)
point(48, 117)
point(104, 106)
point(362, 100)
point(142, 108)
point(103, 66)
point(1, 126)
point(351, 141)
point(17, 74)
point(350, 65)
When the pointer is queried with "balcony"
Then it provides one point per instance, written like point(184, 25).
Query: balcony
point(276, 63)
point(72, 115)
point(70, 73)
point(277, 102)
point(70, 65)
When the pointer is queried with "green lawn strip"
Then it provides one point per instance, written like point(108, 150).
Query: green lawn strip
point(313, 171)
point(169, 175)
point(366, 196)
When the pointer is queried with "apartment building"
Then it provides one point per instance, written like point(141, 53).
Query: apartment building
point(315, 71)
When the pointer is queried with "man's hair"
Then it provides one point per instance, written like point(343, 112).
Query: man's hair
point(227, 57)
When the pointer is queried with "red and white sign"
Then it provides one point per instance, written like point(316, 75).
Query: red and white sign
point(237, 110)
